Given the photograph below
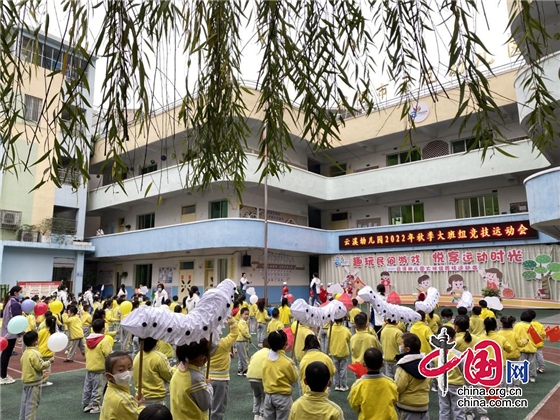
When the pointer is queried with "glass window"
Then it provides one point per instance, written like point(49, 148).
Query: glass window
point(148, 169)
point(219, 209)
point(486, 205)
point(404, 157)
point(187, 265)
point(33, 107)
point(412, 213)
point(337, 170)
point(146, 221)
point(188, 210)
point(143, 275)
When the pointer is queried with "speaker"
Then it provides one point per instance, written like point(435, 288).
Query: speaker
point(246, 261)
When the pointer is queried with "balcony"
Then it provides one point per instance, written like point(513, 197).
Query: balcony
point(420, 174)
point(222, 236)
point(543, 190)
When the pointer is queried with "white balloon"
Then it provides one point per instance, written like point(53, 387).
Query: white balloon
point(57, 342)
point(335, 289)
point(253, 299)
point(251, 291)
point(466, 300)
point(494, 303)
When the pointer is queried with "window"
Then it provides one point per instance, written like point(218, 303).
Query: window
point(149, 168)
point(146, 221)
point(413, 213)
point(219, 209)
point(188, 214)
point(486, 205)
point(186, 265)
point(404, 157)
point(336, 217)
point(143, 275)
point(33, 107)
point(473, 143)
point(338, 169)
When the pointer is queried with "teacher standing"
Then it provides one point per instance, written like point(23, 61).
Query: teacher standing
point(12, 308)
point(161, 295)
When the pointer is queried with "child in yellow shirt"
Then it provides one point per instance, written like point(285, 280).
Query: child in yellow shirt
point(76, 333)
point(285, 312)
point(117, 401)
point(540, 330)
point(352, 314)
point(315, 403)
point(363, 339)
point(275, 324)
point(242, 343)
point(281, 374)
point(255, 376)
point(528, 348)
point(33, 369)
point(373, 396)
point(98, 348)
point(313, 353)
point(86, 320)
point(390, 341)
point(339, 340)
point(262, 319)
point(44, 335)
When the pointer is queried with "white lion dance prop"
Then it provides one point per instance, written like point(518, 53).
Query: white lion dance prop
point(388, 310)
point(429, 303)
point(206, 320)
point(313, 316)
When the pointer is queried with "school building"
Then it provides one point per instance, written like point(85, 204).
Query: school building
point(42, 231)
point(366, 211)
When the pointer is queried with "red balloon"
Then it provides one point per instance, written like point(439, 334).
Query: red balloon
point(291, 337)
point(358, 369)
point(41, 309)
point(3, 343)
point(290, 298)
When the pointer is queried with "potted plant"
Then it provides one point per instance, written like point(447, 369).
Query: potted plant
point(124, 274)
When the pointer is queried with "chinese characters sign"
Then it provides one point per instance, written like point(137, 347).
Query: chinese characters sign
point(447, 235)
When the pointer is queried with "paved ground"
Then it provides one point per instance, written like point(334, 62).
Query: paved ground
point(63, 399)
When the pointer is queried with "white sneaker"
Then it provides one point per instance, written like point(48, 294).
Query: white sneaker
point(257, 417)
point(95, 410)
point(87, 408)
point(7, 380)
point(484, 418)
point(46, 384)
point(343, 388)
point(532, 380)
point(470, 416)
point(337, 388)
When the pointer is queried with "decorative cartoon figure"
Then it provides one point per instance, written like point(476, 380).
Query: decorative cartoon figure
point(358, 284)
point(386, 280)
point(456, 287)
point(493, 278)
point(348, 282)
point(424, 283)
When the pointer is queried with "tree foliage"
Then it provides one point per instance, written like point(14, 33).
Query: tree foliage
point(313, 54)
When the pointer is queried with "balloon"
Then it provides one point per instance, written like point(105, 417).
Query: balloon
point(57, 342)
point(126, 307)
point(110, 339)
point(56, 307)
point(290, 298)
point(253, 299)
point(3, 343)
point(17, 324)
point(358, 369)
point(290, 336)
point(346, 301)
point(41, 309)
point(337, 296)
point(270, 311)
point(394, 298)
point(27, 306)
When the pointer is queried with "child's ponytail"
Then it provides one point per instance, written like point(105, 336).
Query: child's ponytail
point(462, 324)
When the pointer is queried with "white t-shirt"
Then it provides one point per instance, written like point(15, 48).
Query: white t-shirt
point(143, 290)
point(191, 302)
point(88, 298)
point(160, 297)
point(243, 282)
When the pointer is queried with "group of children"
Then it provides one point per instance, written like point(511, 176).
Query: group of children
point(391, 357)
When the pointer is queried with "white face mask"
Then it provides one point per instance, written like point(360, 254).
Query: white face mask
point(401, 349)
point(123, 378)
point(159, 289)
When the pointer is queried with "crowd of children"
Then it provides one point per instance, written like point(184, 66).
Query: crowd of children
point(391, 358)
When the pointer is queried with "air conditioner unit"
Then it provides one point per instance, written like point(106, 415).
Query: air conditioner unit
point(29, 236)
point(10, 219)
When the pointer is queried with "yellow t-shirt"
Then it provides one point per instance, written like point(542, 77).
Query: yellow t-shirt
point(189, 395)
point(390, 341)
point(281, 374)
point(314, 355)
point(155, 373)
point(315, 405)
point(374, 397)
point(285, 314)
point(339, 339)
point(262, 317)
point(118, 404)
point(44, 336)
point(274, 325)
point(360, 342)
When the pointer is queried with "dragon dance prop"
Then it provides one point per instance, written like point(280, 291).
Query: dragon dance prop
point(388, 310)
point(427, 302)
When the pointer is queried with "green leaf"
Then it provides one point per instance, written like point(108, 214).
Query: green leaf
point(543, 259)
point(529, 275)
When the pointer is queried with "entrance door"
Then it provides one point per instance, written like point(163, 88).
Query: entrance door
point(208, 274)
point(117, 278)
point(186, 278)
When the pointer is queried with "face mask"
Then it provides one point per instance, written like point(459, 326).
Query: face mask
point(401, 349)
point(159, 289)
point(123, 378)
point(20, 296)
